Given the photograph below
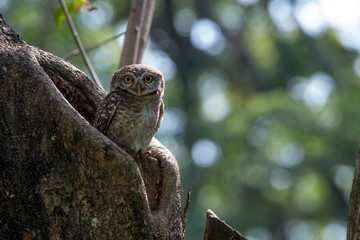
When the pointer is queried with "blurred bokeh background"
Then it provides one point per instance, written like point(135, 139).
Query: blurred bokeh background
point(262, 102)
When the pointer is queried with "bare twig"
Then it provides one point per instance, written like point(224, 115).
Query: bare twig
point(137, 32)
point(187, 204)
point(92, 47)
point(78, 42)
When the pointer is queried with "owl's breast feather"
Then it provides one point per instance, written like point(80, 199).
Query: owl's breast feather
point(143, 126)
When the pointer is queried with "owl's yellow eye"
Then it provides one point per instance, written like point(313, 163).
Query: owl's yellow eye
point(148, 78)
point(128, 79)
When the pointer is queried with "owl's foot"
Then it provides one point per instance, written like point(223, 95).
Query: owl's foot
point(147, 153)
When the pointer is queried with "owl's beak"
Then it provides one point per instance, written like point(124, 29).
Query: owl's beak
point(138, 89)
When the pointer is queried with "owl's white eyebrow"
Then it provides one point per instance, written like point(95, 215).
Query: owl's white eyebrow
point(128, 74)
point(147, 74)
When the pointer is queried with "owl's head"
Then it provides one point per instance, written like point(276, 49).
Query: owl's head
point(139, 80)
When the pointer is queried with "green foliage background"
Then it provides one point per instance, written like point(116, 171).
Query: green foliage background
point(244, 116)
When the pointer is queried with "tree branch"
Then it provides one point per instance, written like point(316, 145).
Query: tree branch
point(78, 42)
point(137, 32)
point(92, 47)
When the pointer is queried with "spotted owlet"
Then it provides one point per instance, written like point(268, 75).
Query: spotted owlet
point(131, 113)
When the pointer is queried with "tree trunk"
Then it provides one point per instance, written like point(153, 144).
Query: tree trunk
point(353, 228)
point(137, 32)
point(217, 229)
point(60, 177)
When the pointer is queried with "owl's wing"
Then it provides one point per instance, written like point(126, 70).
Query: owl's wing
point(106, 111)
point(160, 116)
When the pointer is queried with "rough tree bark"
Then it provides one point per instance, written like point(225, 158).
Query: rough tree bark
point(353, 227)
point(60, 177)
point(218, 229)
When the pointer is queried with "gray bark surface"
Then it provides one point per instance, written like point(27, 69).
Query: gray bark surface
point(353, 227)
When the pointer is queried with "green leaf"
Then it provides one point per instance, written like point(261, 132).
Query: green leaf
point(59, 15)
point(75, 7)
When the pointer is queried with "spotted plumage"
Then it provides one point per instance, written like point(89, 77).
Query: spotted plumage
point(131, 113)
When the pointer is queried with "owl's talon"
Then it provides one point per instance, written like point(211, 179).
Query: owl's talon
point(147, 153)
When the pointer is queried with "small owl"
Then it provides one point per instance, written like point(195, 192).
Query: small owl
point(131, 113)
